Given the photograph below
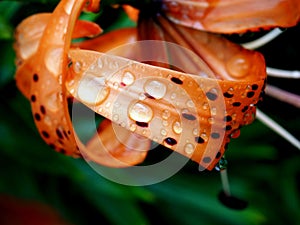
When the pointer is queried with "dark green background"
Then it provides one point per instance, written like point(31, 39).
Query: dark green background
point(263, 168)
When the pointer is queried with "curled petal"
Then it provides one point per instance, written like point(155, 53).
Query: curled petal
point(229, 16)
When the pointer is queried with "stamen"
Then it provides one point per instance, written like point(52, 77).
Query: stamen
point(294, 74)
point(263, 40)
point(283, 96)
point(225, 182)
point(277, 128)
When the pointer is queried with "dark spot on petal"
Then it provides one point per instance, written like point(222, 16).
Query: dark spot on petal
point(176, 80)
point(62, 151)
point(228, 127)
point(236, 104)
point(170, 141)
point(65, 134)
point(254, 87)
point(37, 116)
point(188, 116)
point(215, 135)
point(228, 95)
point(227, 118)
point(69, 132)
point(141, 124)
point(45, 134)
point(218, 155)
point(35, 77)
point(59, 134)
point(149, 96)
point(33, 98)
point(43, 110)
point(211, 96)
point(245, 108)
point(199, 140)
point(206, 159)
point(250, 94)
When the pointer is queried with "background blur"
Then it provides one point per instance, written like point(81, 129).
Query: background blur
point(263, 168)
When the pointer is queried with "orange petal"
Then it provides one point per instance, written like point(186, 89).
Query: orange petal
point(112, 86)
point(115, 146)
point(229, 16)
point(85, 28)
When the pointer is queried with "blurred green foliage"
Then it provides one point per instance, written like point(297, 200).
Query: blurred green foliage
point(263, 168)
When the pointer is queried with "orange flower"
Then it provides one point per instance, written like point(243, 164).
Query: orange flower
point(194, 111)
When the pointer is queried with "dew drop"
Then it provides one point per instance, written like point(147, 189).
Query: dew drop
point(92, 90)
point(128, 78)
point(155, 89)
point(211, 120)
point(238, 66)
point(77, 66)
point(163, 132)
point(173, 96)
point(177, 127)
point(115, 117)
point(132, 127)
point(213, 111)
point(140, 112)
point(205, 106)
point(166, 114)
point(189, 148)
point(53, 60)
point(190, 103)
point(165, 123)
point(195, 131)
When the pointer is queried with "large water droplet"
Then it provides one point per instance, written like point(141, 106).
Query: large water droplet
point(140, 112)
point(92, 90)
point(156, 89)
point(189, 148)
point(238, 66)
point(166, 114)
point(128, 78)
point(53, 60)
point(177, 127)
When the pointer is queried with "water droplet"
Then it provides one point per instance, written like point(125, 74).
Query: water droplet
point(142, 96)
point(115, 117)
point(77, 66)
point(190, 104)
point(213, 111)
point(196, 132)
point(116, 85)
point(211, 120)
point(128, 78)
point(132, 127)
point(53, 60)
point(52, 102)
point(204, 136)
point(163, 132)
point(140, 112)
point(92, 90)
point(205, 106)
point(189, 148)
point(166, 114)
point(177, 127)
point(173, 96)
point(165, 123)
point(238, 66)
point(156, 89)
